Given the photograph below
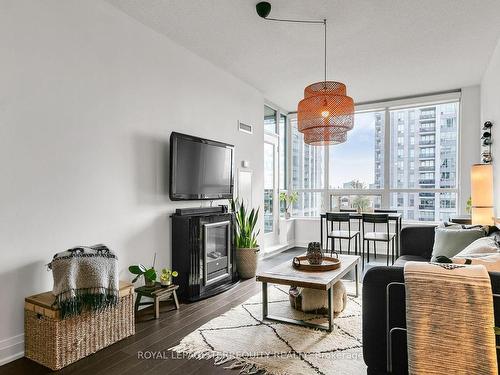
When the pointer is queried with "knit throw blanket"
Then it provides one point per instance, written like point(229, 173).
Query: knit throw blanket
point(85, 278)
point(450, 319)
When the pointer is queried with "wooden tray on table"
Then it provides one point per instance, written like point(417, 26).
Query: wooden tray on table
point(329, 264)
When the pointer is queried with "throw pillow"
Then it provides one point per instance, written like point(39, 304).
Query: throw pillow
point(449, 241)
point(491, 261)
point(485, 251)
point(480, 247)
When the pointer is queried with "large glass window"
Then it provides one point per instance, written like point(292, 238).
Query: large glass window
point(435, 153)
point(414, 173)
point(282, 152)
point(359, 162)
point(270, 120)
point(268, 187)
point(308, 162)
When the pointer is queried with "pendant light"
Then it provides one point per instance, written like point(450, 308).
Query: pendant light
point(326, 113)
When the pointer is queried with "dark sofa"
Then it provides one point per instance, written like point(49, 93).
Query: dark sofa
point(416, 245)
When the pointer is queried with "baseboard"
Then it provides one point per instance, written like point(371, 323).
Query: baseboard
point(278, 249)
point(11, 349)
point(301, 244)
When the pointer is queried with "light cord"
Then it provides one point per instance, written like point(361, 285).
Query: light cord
point(305, 21)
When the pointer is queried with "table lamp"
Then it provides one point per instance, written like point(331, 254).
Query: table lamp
point(482, 194)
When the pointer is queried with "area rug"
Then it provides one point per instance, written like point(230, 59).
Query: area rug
point(241, 340)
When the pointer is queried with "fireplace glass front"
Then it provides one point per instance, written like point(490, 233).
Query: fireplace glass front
point(217, 251)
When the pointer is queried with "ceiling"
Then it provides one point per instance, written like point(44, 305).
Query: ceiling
point(380, 49)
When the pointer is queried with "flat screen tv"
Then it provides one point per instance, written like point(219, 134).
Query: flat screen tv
point(200, 168)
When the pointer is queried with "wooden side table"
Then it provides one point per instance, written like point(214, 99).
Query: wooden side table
point(461, 219)
point(157, 293)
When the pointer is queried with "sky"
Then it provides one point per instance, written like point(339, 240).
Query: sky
point(354, 159)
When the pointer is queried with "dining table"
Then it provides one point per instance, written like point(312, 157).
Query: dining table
point(395, 217)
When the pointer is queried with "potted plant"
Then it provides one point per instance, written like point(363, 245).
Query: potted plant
point(166, 276)
point(245, 235)
point(468, 207)
point(289, 199)
point(148, 273)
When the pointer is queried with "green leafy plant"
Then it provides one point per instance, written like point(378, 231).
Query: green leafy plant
point(140, 270)
point(468, 207)
point(289, 199)
point(245, 229)
point(167, 274)
point(360, 202)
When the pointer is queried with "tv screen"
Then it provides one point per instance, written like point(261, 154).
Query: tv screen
point(200, 168)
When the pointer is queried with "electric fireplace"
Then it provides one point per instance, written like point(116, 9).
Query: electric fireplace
point(203, 252)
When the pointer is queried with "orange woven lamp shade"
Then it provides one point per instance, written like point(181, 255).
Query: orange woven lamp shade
point(326, 113)
point(324, 136)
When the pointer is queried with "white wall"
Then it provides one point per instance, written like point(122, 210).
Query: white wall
point(88, 99)
point(490, 111)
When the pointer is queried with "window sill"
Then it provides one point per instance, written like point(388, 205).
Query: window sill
point(405, 222)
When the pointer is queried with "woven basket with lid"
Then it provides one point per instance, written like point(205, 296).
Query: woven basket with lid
point(56, 343)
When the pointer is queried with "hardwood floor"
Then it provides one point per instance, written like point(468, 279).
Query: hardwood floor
point(158, 335)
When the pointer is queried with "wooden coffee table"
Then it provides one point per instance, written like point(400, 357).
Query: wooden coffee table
point(285, 274)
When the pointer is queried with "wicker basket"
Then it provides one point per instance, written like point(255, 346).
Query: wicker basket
point(56, 343)
point(246, 262)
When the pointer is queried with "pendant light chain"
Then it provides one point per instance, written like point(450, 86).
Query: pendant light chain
point(326, 113)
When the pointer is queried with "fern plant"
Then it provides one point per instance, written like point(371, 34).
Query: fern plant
point(246, 222)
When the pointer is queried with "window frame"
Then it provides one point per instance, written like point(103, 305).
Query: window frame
point(386, 190)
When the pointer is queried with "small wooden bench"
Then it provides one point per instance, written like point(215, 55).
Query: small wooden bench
point(157, 293)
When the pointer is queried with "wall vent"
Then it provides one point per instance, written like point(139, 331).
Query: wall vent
point(245, 127)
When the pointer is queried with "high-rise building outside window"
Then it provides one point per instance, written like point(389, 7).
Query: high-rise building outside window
point(404, 158)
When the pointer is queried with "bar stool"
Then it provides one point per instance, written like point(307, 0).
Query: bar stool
point(375, 236)
point(339, 218)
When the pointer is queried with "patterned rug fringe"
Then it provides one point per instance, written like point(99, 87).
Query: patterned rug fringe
point(246, 366)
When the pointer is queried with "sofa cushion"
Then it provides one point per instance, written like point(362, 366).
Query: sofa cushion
point(484, 251)
point(400, 262)
point(451, 240)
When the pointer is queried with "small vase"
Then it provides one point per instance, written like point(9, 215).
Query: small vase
point(314, 254)
point(166, 282)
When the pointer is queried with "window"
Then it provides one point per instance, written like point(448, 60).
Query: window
point(415, 172)
point(307, 173)
point(308, 162)
point(436, 157)
point(268, 187)
point(270, 121)
point(282, 151)
point(360, 160)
